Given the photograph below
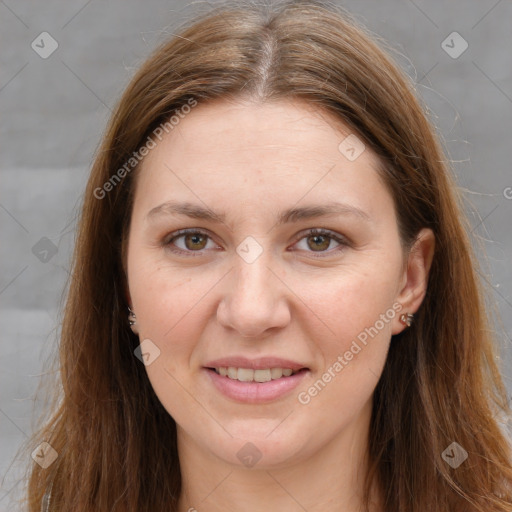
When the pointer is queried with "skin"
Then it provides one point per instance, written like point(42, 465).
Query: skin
point(303, 298)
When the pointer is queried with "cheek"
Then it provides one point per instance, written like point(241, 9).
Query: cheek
point(166, 304)
point(357, 314)
point(349, 301)
point(170, 314)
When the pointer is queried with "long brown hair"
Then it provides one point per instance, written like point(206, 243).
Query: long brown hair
point(116, 443)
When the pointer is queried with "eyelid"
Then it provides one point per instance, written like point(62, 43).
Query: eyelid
point(322, 231)
point(185, 231)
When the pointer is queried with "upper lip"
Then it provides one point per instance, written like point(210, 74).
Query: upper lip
point(260, 363)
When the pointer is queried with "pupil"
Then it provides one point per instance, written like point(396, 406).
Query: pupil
point(318, 240)
point(195, 240)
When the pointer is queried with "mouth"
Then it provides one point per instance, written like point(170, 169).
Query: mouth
point(252, 375)
point(255, 385)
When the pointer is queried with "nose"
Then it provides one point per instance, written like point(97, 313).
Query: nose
point(255, 300)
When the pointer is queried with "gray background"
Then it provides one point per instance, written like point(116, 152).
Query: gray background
point(53, 112)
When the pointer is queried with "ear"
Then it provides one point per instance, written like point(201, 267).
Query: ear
point(413, 286)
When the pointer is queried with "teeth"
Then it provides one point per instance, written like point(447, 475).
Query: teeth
point(262, 375)
point(276, 373)
point(245, 375)
point(250, 375)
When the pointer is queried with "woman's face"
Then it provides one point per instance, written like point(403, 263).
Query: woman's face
point(252, 289)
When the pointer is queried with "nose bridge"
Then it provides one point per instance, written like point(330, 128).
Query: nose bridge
point(252, 277)
point(254, 300)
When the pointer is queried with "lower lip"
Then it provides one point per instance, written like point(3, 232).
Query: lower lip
point(255, 392)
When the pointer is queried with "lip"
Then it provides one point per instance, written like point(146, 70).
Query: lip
point(260, 363)
point(255, 392)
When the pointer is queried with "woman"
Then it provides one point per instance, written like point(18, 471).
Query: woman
point(274, 304)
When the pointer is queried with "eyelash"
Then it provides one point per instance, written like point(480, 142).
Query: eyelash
point(311, 232)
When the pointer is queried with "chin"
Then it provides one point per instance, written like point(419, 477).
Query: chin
point(255, 447)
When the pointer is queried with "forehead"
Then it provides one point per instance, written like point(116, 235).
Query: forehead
point(242, 126)
point(223, 152)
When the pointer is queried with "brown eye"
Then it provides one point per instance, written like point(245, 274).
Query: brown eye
point(195, 241)
point(322, 241)
point(189, 241)
point(318, 242)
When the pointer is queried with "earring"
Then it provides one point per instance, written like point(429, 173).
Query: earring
point(406, 319)
point(132, 319)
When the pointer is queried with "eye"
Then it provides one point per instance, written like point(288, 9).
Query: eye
point(196, 240)
point(320, 240)
point(188, 240)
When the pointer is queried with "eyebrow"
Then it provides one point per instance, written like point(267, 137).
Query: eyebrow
point(288, 216)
